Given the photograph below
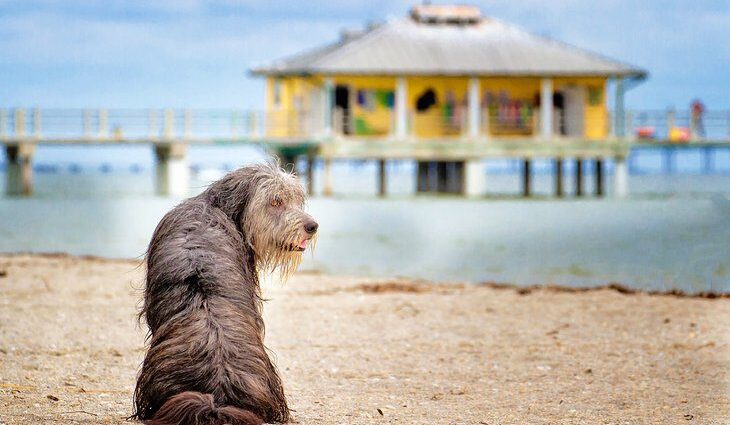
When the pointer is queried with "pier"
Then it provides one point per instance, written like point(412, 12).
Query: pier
point(450, 165)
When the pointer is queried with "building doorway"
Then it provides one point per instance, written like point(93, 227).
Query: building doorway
point(342, 118)
point(572, 111)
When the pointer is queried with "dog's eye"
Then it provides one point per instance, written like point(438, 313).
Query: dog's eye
point(276, 202)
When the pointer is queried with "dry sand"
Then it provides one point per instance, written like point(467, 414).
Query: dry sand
point(358, 351)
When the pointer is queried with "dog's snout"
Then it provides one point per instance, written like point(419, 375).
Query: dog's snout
point(311, 227)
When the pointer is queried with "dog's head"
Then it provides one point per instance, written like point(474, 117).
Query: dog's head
point(269, 209)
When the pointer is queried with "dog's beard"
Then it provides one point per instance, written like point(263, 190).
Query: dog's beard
point(283, 258)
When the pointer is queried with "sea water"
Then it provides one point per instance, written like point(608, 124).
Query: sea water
point(673, 232)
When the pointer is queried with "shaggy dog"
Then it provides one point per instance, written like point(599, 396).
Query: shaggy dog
point(206, 363)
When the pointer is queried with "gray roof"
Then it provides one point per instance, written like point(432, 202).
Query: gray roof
point(487, 48)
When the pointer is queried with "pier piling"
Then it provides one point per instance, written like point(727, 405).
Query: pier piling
point(19, 169)
point(578, 177)
point(620, 178)
point(559, 177)
point(474, 183)
point(526, 177)
point(382, 178)
point(171, 172)
point(310, 174)
point(599, 177)
point(327, 177)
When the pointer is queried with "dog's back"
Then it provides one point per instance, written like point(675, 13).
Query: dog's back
point(206, 362)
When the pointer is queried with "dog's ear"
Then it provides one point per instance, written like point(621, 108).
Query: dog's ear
point(233, 193)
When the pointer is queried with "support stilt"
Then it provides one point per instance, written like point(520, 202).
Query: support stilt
point(559, 177)
point(422, 177)
point(327, 177)
point(19, 169)
point(474, 178)
point(620, 178)
point(382, 178)
point(526, 177)
point(599, 177)
point(578, 177)
point(310, 174)
point(172, 171)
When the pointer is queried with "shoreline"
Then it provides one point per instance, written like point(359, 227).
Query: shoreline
point(621, 288)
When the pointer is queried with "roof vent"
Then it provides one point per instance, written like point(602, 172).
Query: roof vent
point(446, 14)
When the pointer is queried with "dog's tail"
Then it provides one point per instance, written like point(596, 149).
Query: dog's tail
point(193, 408)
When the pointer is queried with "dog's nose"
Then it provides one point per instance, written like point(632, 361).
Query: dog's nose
point(311, 227)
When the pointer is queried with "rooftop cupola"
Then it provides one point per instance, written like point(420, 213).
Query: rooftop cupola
point(446, 14)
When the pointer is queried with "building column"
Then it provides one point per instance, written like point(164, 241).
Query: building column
point(474, 176)
point(19, 169)
point(327, 105)
point(546, 108)
point(619, 115)
point(172, 172)
point(401, 108)
point(475, 108)
point(620, 178)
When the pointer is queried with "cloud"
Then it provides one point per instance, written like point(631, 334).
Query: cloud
point(199, 46)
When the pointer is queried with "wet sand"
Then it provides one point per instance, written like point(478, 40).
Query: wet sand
point(358, 351)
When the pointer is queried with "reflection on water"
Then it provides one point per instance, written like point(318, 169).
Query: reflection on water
point(672, 233)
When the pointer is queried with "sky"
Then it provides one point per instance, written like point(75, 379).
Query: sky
point(196, 53)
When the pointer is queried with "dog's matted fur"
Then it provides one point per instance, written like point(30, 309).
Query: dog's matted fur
point(206, 362)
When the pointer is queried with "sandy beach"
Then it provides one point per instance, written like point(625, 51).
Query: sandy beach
point(358, 351)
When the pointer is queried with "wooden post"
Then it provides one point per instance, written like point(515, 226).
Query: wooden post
point(599, 177)
point(442, 178)
point(474, 179)
point(620, 178)
point(310, 174)
point(578, 177)
point(152, 125)
point(252, 125)
point(19, 118)
point(475, 108)
point(327, 171)
point(559, 177)
point(3, 123)
point(168, 124)
point(188, 123)
point(328, 102)
point(526, 176)
point(382, 178)
point(19, 169)
point(401, 108)
point(546, 108)
point(87, 123)
point(619, 118)
point(172, 172)
point(422, 177)
point(629, 124)
point(37, 122)
point(670, 121)
point(103, 129)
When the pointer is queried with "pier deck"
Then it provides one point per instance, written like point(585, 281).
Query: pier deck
point(450, 163)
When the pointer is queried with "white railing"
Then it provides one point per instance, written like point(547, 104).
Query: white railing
point(233, 124)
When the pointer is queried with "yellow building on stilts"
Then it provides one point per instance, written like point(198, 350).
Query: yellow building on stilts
point(444, 73)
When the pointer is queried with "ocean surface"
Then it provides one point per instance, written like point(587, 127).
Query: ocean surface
point(672, 232)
